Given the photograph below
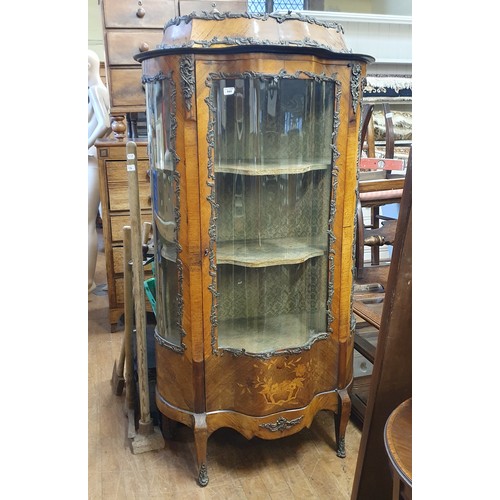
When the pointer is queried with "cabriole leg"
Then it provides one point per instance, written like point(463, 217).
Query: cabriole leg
point(341, 420)
point(200, 441)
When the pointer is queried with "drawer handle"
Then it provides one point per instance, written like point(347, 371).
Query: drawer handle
point(144, 47)
point(140, 11)
point(149, 200)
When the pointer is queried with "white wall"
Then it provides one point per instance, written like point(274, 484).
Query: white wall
point(392, 7)
point(388, 38)
point(95, 41)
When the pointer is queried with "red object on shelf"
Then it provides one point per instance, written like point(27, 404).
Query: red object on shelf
point(380, 164)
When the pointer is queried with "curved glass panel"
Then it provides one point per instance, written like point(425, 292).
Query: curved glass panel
point(273, 181)
point(165, 206)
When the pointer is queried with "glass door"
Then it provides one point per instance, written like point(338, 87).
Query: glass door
point(272, 164)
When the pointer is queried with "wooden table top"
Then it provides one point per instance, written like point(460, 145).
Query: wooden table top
point(367, 186)
point(372, 313)
point(397, 439)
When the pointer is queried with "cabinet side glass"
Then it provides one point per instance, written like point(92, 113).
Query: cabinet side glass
point(165, 206)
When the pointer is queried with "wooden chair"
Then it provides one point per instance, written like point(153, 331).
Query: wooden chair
point(374, 194)
point(377, 187)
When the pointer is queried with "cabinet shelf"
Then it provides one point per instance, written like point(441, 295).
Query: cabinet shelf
point(275, 252)
point(269, 168)
point(252, 335)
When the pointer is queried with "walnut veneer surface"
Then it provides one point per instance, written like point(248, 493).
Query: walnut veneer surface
point(398, 444)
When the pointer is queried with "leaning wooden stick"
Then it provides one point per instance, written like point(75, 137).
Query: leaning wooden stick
point(138, 280)
point(146, 231)
point(147, 438)
point(128, 334)
point(118, 381)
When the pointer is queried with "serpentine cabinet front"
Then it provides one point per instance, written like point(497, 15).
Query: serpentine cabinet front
point(253, 161)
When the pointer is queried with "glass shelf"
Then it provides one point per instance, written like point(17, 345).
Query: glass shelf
point(269, 168)
point(165, 228)
point(273, 252)
point(280, 306)
point(252, 334)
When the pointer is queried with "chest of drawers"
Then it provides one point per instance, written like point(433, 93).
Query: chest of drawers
point(116, 214)
point(130, 27)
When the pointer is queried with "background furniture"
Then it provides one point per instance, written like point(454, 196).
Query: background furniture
point(372, 195)
point(385, 147)
point(391, 382)
point(254, 146)
point(397, 440)
point(112, 160)
point(132, 26)
point(129, 27)
point(370, 283)
point(386, 136)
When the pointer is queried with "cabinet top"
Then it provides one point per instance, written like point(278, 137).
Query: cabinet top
point(214, 32)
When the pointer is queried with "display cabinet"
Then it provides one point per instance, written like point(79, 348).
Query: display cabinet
point(253, 129)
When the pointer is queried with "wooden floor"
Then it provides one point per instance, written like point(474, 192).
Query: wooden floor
point(301, 466)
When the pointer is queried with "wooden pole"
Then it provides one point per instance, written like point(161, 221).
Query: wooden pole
point(129, 322)
point(146, 230)
point(145, 422)
point(126, 360)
